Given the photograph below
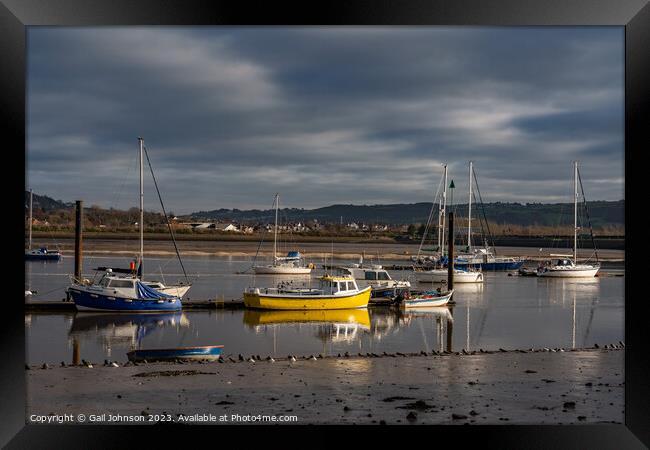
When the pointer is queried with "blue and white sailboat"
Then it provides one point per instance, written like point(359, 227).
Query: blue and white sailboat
point(42, 253)
point(121, 293)
point(485, 258)
point(127, 293)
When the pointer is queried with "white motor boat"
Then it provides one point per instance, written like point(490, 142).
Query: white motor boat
point(374, 276)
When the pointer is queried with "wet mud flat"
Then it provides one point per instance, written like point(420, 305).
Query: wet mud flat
point(311, 250)
point(503, 387)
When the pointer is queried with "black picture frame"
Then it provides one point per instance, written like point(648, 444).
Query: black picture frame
point(634, 15)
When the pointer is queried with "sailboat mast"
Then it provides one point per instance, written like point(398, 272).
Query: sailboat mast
point(469, 212)
point(443, 211)
point(575, 212)
point(141, 201)
point(275, 233)
point(31, 196)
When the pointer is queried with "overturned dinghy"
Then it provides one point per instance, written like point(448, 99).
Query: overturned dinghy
point(209, 352)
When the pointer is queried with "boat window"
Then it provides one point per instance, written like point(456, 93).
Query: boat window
point(351, 286)
point(103, 282)
point(383, 276)
point(371, 275)
point(121, 283)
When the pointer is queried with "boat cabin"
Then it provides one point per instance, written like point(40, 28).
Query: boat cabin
point(372, 275)
point(338, 285)
point(112, 280)
point(564, 263)
point(108, 280)
point(375, 273)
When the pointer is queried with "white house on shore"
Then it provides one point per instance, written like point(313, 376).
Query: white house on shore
point(226, 227)
point(212, 226)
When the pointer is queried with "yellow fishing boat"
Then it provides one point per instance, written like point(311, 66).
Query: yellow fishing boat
point(254, 317)
point(334, 292)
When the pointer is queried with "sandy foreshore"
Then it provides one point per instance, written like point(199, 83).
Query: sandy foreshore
point(313, 251)
point(514, 387)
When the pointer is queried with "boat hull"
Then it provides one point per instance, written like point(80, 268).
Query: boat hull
point(279, 270)
point(440, 276)
point(88, 301)
point(303, 302)
point(384, 292)
point(427, 301)
point(176, 291)
point(42, 256)
point(569, 273)
point(491, 266)
point(211, 352)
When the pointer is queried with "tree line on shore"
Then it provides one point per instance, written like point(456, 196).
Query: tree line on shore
point(503, 219)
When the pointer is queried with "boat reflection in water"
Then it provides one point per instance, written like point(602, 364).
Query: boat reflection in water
point(330, 326)
point(119, 330)
point(440, 317)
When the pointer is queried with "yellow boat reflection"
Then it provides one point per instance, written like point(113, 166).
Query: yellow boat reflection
point(360, 317)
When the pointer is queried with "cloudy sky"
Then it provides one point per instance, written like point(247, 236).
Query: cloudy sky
point(323, 115)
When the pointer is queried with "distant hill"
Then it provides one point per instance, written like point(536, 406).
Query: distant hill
point(45, 203)
point(601, 213)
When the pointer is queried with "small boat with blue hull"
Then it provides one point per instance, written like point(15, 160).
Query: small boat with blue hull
point(210, 352)
point(114, 293)
point(42, 254)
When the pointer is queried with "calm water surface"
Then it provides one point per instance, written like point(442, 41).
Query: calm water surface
point(505, 312)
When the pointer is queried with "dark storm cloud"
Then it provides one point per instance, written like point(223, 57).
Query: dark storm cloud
point(348, 115)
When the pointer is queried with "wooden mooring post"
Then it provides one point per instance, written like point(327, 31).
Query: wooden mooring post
point(450, 255)
point(78, 239)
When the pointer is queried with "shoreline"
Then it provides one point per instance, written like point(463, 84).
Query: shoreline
point(547, 386)
point(313, 251)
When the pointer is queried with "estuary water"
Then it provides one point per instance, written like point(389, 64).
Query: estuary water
point(508, 312)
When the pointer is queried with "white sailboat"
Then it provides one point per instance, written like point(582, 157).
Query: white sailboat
point(440, 275)
point(565, 267)
point(289, 265)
